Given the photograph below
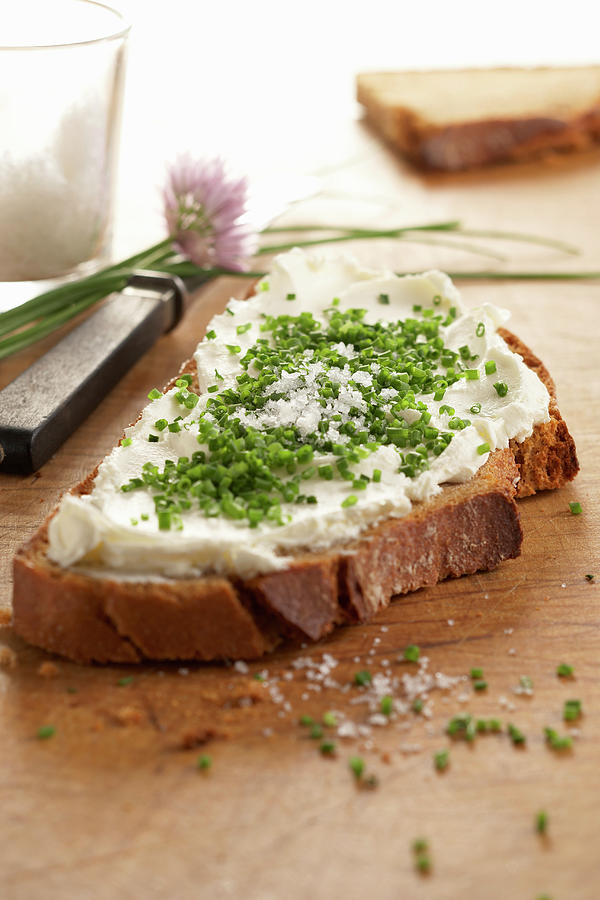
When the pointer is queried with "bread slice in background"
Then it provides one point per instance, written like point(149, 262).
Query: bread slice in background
point(466, 528)
point(459, 119)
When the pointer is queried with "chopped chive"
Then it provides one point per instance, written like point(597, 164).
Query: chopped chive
point(423, 864)
point(328, 748)
point(242, 329)
point(422, 860)
point(483, 726)
point(387, 705)
point(476, 673)
point(329, 719)
point(475, 409)
point(234, 348)
point(564, 670)
point(357, 766)
point(351, 500)
point(471, 374)
point(384, 298)
point(123, 682)
point(362, 678)
point(316, 731)
point(411, 653)
point(501, 388)
point(154, 394)
point(126, 442)
point(290, 297)
point(516, 735)
point(306, 720)
point(144, 517)
point(572, 710)
point(541, 822)
point(417, 705)
point(556, 741)
point(490, 367)
point(164, 520)
point(589, 577)
point(480, 330)
point(480, 685)
point(153, 438)
point(576, 508)
point(376, 476)
point(483, 448)
point(211, 335)
point(441, 760)
point(258, 676)
point(204, 762)
point(45, 732)
point(462, 726)
point(264, 285)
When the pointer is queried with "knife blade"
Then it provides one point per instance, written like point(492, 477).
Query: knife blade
point(50, 399)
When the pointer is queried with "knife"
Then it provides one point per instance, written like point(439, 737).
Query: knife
point(47, 402)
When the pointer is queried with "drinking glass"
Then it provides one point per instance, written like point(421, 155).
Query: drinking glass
point(62, 65)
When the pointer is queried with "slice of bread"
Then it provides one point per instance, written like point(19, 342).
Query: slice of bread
point(466, 528)
point(466, 118)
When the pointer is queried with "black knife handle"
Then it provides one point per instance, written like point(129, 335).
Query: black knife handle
point(50, 399)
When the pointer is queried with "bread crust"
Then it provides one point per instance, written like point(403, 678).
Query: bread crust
point(464, 529)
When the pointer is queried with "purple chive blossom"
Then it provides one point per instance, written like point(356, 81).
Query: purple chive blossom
point(203, 207)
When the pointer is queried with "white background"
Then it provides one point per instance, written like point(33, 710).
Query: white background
point(270, 85)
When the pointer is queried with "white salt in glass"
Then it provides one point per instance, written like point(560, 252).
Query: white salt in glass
point(61, 83)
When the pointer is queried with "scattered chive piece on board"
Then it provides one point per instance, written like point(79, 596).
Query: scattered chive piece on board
point(412, 653)
point(328, 748)
point(571, 710)
point(357, 766)
point(564, 670)
point(45, 732)
point(541, 822)
point(441, 760)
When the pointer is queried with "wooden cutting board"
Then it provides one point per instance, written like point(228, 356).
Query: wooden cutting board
point(113, 804)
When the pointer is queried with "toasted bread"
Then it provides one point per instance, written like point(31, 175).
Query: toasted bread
point(467, 118)
point(466, 528)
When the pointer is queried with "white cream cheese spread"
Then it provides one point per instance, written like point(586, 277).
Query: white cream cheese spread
point(333, 399)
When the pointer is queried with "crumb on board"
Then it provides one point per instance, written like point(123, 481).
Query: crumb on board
point(48, 669)
point(196, 737)
point(5, 616)
point(8, 657)
point(129, 715)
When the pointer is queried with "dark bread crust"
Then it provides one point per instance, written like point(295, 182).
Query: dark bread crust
point(466, 528)
point(472, 145)
point(548, 459)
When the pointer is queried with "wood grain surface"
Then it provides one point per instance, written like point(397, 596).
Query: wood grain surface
point(113, 804)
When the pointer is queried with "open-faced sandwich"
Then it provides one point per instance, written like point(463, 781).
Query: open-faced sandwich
point(342, 436)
